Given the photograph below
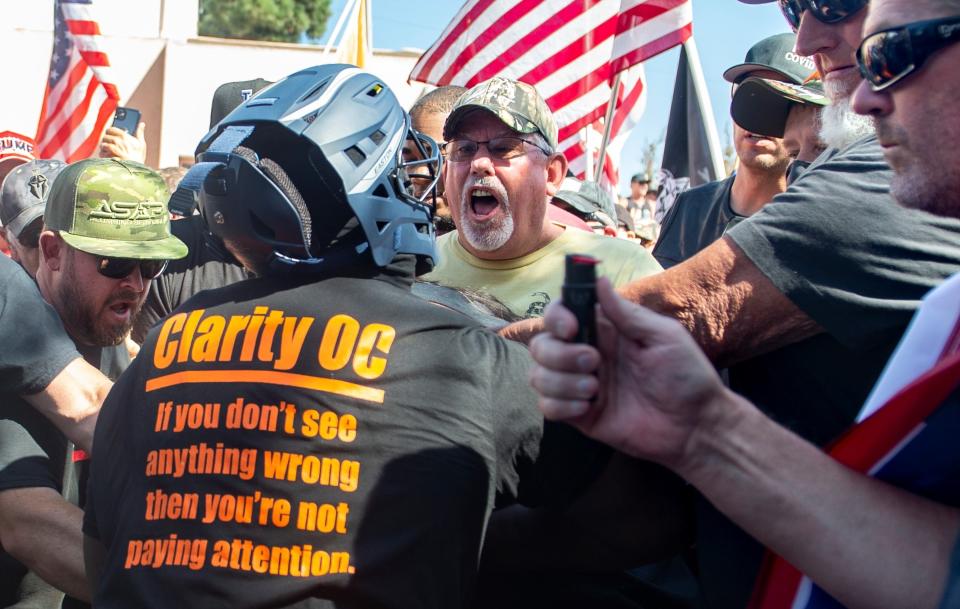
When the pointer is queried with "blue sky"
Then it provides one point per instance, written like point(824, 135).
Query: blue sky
point(723, 29)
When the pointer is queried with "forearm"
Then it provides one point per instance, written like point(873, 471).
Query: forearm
point(42, 530)
point(731, 308)
point(867, 543)
point(72, 401)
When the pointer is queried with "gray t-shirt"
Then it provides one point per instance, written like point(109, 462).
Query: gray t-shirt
point(33, 452)
point(699, 217)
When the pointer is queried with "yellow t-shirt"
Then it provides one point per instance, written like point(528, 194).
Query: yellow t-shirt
point(527, 284)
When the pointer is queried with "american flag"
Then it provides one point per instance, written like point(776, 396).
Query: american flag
point(649, 27)
point(80, 96)
point(566, 49)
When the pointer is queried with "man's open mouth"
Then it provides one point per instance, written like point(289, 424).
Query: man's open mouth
point(122, 309)
point(483, 203)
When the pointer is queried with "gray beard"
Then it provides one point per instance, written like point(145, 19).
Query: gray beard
point(840, 126)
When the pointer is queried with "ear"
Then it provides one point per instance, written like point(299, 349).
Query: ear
point(556, 172)
point(52, 250)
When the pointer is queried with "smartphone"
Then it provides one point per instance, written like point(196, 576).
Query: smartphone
point(127, 119)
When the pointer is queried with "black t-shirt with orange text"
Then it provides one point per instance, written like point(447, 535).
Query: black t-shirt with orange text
point(282, 443)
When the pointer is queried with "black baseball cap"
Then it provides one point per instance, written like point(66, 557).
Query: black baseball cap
point(761, 105)
point(775, 53)
point(23, 197)
point(230, 95)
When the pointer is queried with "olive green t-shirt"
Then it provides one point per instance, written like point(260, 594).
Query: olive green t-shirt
point(527, 284)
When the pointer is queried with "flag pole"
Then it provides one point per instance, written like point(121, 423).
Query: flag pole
point(341, 22)
point(588, 157)
point(710, 125)
point(607, 126)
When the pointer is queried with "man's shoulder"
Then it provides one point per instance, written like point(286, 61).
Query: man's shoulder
point(864, 156)
point(622, 261)
point(583, 242)
point(696, 205)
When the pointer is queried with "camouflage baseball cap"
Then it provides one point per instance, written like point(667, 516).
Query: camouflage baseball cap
point(761, 105)
point(515, 103)
point(110, 207)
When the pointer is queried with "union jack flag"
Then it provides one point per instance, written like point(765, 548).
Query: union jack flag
point(906, 435)
point(80, 96)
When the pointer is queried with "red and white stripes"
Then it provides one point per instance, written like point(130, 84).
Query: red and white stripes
point(566, 49)
point(80, 97)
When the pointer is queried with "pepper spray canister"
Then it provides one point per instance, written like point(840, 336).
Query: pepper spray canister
point(579, 294)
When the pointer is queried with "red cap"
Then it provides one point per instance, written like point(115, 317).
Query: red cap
point(15, 146)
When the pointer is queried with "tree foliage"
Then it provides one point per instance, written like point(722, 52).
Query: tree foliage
point(275, 20)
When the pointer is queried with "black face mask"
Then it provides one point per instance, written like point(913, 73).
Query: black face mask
point(795, 169)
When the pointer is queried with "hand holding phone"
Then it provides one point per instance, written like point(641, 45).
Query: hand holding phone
point(124, 139)
point(127, 119)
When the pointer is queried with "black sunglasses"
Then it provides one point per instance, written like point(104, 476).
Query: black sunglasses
point(888, 56)
point(825, 11)
point(118, 268)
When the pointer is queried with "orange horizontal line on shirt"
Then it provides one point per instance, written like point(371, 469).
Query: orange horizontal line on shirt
point(270, 377)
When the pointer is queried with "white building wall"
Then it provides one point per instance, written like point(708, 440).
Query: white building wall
point(160, 66)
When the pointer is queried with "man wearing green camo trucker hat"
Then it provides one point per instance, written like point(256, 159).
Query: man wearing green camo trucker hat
point(106, 236)
point(502, 169)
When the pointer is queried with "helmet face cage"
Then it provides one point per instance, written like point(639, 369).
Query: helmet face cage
point(427, 167)
point(339, 134)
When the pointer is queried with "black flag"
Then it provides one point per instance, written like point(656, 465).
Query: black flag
point(688, 157)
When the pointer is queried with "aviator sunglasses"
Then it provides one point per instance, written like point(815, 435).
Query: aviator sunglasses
point(118, 268)
point(825, 11)
point(888, 56)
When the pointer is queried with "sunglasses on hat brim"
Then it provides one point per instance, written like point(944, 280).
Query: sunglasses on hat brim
point(888, 56)
point(824, 11)
point(118, 268)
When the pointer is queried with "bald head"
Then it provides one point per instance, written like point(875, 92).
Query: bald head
point(430, 111)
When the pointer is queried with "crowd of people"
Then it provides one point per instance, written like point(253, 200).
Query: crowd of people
point(329, 364)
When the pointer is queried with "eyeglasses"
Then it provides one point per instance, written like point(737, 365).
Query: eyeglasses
point(825, 11)
point(501, 148)
point(888, 56)
point(118, 268)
